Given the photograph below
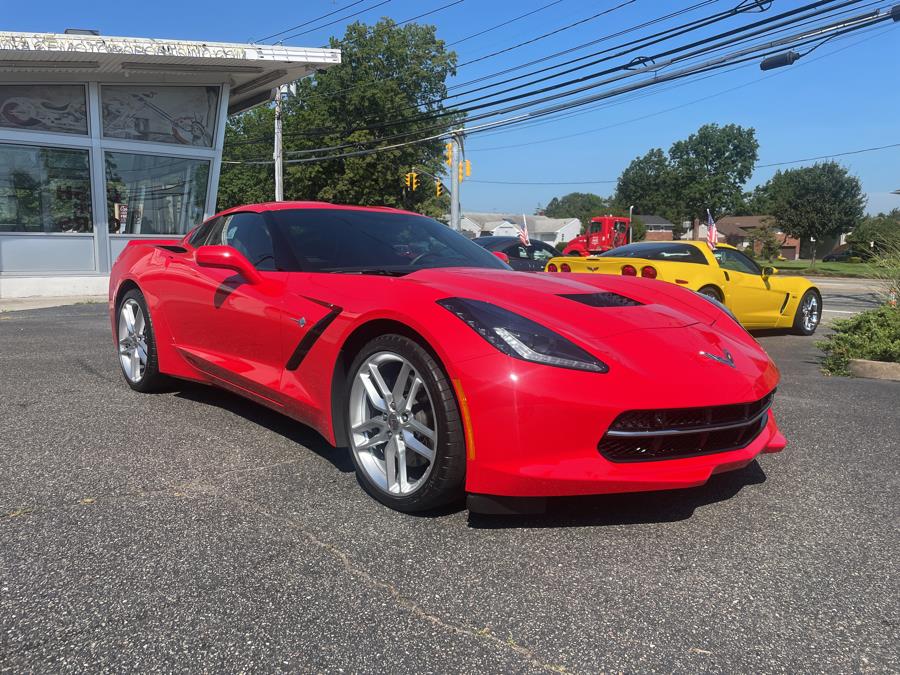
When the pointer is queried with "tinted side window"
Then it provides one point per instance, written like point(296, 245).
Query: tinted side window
point(516, 251)
point(736, 261)
point(249, 234)
point(542, 252)
point(199, 238)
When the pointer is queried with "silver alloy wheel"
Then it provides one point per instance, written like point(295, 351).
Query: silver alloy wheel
point(132, 340)
point(810, 312)
point(393, 428)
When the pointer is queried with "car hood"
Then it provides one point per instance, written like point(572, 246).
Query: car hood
point(585, 306)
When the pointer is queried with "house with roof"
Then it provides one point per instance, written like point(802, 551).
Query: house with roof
point(735, 230)
point(658, 228)
point(550, 230)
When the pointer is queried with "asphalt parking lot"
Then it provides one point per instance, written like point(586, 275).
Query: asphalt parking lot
point(195, 531)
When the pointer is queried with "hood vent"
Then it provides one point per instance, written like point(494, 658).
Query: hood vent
point(603, 299)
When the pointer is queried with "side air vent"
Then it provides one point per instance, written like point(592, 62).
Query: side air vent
point(603, 299)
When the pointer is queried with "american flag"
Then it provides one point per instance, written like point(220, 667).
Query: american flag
point(712, 234)
point(523, 232)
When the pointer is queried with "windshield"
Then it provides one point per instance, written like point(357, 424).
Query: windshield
point(348, 240)
point(658, 251)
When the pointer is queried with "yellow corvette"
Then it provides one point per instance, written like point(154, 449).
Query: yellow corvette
point(754, 295)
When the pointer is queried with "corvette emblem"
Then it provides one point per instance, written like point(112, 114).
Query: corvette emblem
point(728, 359)
point(592, 269)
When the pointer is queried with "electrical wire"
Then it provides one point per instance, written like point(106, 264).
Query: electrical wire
point(754, 29)
point(303, 25)
point(504, 23)
point(719, 62)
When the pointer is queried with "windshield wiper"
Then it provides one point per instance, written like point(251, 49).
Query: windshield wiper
point(382, 271)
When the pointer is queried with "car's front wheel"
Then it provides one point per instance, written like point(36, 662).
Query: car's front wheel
point(809, 313)
point(405, 431)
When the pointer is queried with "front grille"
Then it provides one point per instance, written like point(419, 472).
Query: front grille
point(647, 435)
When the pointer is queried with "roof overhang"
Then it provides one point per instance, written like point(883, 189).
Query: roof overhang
point(252, 71)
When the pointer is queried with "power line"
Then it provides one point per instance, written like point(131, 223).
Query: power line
point(754, 29)
point(658, 112)
point(303, 25)
point(331, 23)
point(639, 42)
point(519, 45)
point(719, 62)
point(504, 23)
point(834, 154)
point(628, 72)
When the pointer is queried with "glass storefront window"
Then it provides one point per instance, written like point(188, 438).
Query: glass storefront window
point(44, 189)
point(183, 115)
point(44, 107)
point(148, 194)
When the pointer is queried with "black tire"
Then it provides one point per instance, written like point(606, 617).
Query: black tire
point(801, 325)
point(152, 380)
point(445, 483)
point(712, 292)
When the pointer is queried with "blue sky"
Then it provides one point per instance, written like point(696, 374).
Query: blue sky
point(845, 96)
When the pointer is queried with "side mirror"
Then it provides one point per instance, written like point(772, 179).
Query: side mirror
point(502, 256)
point(769, 271)
point(229, 258)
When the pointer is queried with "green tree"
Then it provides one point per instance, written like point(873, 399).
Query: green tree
point(581, 205)
point(647, 184)
point(877, 233)
point(817, 201)
point(765, 237)
point(710, 168)
point(707, 170)
point(387, 73)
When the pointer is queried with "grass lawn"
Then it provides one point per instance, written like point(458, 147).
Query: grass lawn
point(822, 269)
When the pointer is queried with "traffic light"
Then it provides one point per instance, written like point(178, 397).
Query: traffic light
point(438, 188)
point(449, 147)
point(415, 181)
point(462, 170)
point(412, 180)
point(468, 168)
point(408, 178)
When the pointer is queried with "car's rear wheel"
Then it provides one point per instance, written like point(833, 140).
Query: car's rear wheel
point(403, 421)
point(711, 292)
point(809, 313)
point(137, 344)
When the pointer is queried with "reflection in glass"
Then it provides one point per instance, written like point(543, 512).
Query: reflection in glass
point(183, 115)
point(44, 107)
point(147, 194)
point(44, 189)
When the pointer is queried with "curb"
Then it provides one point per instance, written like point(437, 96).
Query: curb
point(875, 370)
point(20, 304)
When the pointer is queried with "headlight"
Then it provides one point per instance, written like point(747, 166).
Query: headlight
point(521, 338)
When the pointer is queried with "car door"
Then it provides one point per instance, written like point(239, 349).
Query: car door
point(228, 327)
point(747, 292)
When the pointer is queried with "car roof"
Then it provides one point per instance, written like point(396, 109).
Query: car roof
point(698, 243)
point(293, 205)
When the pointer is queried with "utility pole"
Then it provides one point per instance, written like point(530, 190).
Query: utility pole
point(277, 155)
point(455, 182)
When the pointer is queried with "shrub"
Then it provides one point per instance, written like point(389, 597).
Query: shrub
point(887, 270)
point(872, 335)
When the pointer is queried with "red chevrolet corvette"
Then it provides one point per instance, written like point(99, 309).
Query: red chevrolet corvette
point(444, 371)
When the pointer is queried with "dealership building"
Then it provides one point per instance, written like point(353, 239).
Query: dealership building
point(108, 139)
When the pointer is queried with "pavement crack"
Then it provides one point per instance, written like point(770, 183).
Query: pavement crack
point(403, 601)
